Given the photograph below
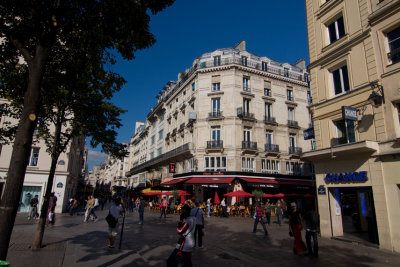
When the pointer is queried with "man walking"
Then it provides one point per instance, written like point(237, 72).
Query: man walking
point(268, 211)
point(115, 210)
point(209, 207)
point(311, 222)
point(259, 218)
point(142, 205)
point(199, 215)
point(33, 214)
point(164, 205)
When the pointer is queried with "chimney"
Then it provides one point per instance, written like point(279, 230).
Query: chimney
point(241, 46)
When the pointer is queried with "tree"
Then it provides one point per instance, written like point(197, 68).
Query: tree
point(34, 31)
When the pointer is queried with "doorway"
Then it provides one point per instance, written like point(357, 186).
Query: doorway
point(358, 213)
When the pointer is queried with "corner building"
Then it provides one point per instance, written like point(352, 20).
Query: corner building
point(234, 120)
point(354, 49)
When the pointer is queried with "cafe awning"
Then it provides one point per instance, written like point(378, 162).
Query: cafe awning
point(276, 181)
point(211, 181)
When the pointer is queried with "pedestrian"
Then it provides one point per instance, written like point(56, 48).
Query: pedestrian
point(284, 208)
point(137, 203)
point(278, 212)
point(164, 205)
point(142, 205)
point(223, 205)
point(33, 214)
point(51, 216)
point(172, 206)
point(311, 221)
point(182, 254)
point(74, 205)
point(259, 219)
point(295, 227)
point(90, 209)
point(199, 215)
point(268, 211)
point(209, 207)
point(115, 211)
point(102, 200)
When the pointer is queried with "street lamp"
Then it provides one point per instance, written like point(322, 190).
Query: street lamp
point(376, 98)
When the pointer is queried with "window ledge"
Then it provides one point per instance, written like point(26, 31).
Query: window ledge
point(247, 94)
point(336, 43)
point(215, 93)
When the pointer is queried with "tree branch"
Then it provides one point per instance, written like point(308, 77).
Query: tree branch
point(25, 53)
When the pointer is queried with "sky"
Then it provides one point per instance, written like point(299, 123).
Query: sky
point(189, 28)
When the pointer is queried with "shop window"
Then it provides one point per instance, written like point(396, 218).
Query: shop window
point(215, 164)
point(248, 164)
point(345, 132)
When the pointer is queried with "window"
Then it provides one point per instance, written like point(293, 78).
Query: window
point(269, 138)
point(344, 132)
point(336, 30)
point(340, 80)
point(216, 86)
point(215, 106)
point(159, 151)
point(162, 117)
point(309, 98)
point(151, 155)
point(217, 61)
point(215, 133)
point(34, 158)
point(286, 72)
point(394, 45)
point(291, 114)
point(247, 134)
point(246, 84)
point(268, 111)
point(248, 164)
point(160, 134)
point(215, 164)
point(293, 167)
point(246, 106)
point(244, 61)
point(193, 86)
point(292, 140)
point(270, 166)
point(267, 88)
point(267, 92)
point(264, 66)
point(289, 94)
point(153, 139)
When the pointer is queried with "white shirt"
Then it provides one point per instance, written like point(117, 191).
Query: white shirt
point(223, 203)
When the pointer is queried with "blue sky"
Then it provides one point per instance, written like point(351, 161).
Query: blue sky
point(189, 28)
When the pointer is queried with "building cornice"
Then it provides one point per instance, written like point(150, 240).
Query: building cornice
point(388, 10)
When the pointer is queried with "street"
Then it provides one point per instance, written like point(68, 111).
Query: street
point(227, 242)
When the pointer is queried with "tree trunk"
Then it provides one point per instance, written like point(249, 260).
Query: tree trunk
point(21, 150)
point(37, 243)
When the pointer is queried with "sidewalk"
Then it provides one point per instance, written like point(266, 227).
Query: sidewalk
point(227, 242)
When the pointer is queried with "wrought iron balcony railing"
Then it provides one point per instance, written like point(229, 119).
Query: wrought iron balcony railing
point(214, 144)
point(271, 148)
point(295, 150)
point(249, 145)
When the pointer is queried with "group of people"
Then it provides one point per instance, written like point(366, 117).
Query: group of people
point(50, 216)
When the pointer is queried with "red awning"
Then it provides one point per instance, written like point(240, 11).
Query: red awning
point(210, 180)
point(173, 181)
point(276, 181)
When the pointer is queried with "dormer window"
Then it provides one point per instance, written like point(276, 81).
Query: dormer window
point(244, 61)
point(264, 66)
point(217, 61)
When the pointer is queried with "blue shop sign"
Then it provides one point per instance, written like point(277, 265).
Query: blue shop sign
point(321, 190)
point(349, 113)
point(349, 177)
point(309, 133)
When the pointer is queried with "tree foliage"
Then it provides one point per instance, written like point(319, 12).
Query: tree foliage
point(53, 59)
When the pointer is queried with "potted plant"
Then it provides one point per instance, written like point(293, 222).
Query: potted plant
point(258, 194)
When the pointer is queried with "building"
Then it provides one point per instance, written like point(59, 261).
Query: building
point(354, 49)
point(69, 173)
point(233, 120)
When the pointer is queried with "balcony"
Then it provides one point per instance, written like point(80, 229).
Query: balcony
point(293, 124)
point(173, 132)
point(271, 149)
point(270, 120)
point(295, 151)
point(215, 115)
point(215, 146)
point(183, 106)
point(167, 136)
point(244, 115)
point(290, 98)
point(249, 146)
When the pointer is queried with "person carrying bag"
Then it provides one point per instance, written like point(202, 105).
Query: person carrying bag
point(112, 221)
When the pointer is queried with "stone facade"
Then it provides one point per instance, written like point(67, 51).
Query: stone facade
point(354, 63)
